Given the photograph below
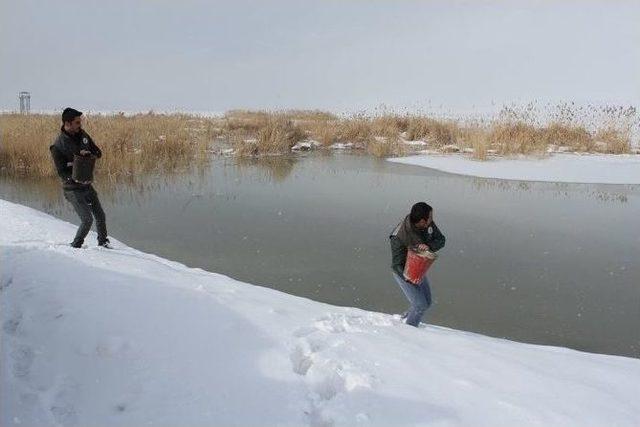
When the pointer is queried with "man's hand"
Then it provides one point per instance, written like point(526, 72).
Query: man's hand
point(422, 247)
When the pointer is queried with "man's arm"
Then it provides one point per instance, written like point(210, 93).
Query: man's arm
point(398, 255)
point(437, 240)
point(95, 150)
point(60, 163)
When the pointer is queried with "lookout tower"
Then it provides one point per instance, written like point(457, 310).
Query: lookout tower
point(25, 102)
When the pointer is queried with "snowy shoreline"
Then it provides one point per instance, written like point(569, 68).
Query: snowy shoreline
point(568, 168)
point(121, 337)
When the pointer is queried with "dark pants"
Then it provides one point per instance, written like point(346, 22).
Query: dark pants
point(87, 206)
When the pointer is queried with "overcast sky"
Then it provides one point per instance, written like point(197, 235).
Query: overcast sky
point(336, 55)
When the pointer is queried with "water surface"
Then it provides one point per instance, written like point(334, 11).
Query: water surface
point(536, 262)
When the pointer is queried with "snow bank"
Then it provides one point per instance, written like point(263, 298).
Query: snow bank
point(596, 168)
point(122, 338)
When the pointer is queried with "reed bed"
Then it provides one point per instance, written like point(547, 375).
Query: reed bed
point(274, 134)
point(162, 143)
point(131, 145)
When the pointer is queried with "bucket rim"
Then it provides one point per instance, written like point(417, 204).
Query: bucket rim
point(424, 254)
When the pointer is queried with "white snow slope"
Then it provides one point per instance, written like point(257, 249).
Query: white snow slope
point(592, 168)
point(97, 337)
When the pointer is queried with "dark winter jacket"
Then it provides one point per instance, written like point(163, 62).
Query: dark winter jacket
point(62, 151)
point(431, 237)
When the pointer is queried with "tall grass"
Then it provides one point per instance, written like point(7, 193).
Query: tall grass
point(437, 132)
point(477, 139)
point(24, 141)
point(517, 138)
point(130, 144)
point(575, 136)
point(277, 134)
point(150, 143)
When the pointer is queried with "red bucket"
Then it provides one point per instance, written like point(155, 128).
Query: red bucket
point(417, 265)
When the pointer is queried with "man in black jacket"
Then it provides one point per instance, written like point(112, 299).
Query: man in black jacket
point(417, 230)
point(73, 140)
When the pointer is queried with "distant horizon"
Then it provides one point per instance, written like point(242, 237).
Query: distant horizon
point(540, 111)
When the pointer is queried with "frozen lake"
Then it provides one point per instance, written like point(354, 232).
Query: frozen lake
point(544, 263)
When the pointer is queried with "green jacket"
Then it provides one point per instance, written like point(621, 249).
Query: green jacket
point(431, 237)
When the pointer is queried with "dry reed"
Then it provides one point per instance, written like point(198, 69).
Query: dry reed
point(160, 143)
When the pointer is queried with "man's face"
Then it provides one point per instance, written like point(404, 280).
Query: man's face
point(73, 126)
point(425, 223)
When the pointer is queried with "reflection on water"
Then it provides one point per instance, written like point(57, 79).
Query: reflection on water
point(276, 168)
point(602, 192)
point(538, 262)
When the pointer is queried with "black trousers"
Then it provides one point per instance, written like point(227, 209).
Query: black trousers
point(87, 206)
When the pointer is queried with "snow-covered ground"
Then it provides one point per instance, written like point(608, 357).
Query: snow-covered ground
point(99, 337)
point(587, 168)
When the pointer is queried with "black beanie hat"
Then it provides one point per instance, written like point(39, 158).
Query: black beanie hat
point(69, 114)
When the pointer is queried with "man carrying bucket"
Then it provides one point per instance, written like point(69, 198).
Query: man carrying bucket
point(71, 143)
point(417, 236)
